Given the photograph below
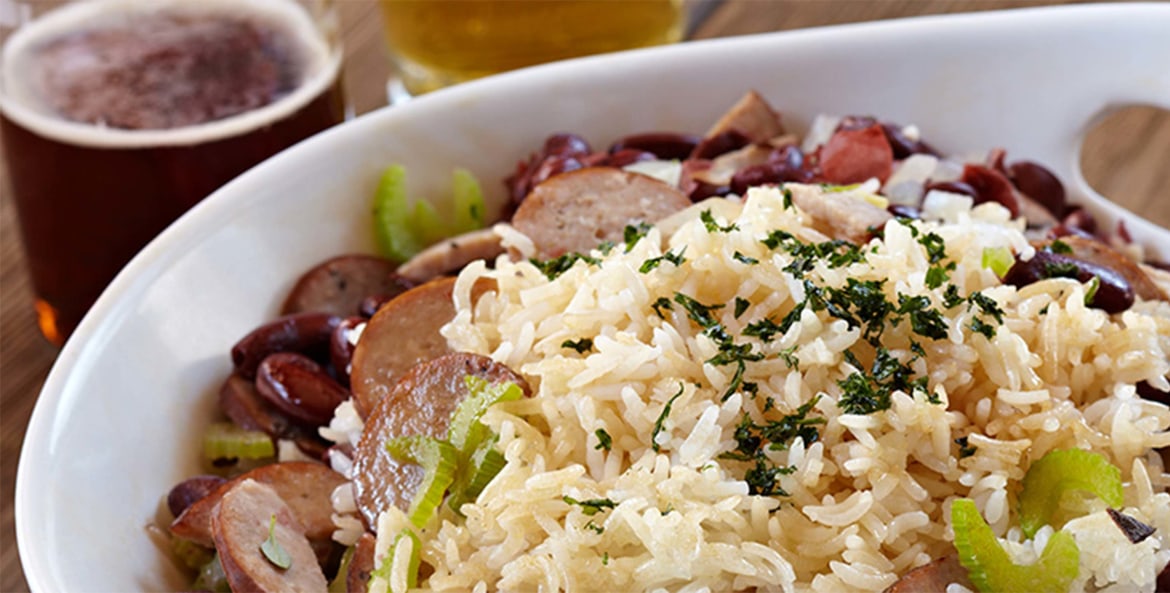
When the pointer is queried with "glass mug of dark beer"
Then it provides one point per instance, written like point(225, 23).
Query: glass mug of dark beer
point(116, 116)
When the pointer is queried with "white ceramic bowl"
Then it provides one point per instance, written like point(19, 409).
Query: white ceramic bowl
point(121, 414)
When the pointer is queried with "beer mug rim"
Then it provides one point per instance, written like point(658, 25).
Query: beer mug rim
point(323, 69)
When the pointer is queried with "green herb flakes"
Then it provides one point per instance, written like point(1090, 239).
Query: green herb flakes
point(591, 506)
point(714, 227)
point(662, 419)
point(581, 346)
point(273, 551)
point(604, 441)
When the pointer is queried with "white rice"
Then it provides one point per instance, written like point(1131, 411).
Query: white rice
point(865, 503)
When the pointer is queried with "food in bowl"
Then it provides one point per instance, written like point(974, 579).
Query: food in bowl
point(862, 370)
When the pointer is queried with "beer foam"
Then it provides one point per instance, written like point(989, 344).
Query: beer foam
point(21, 102)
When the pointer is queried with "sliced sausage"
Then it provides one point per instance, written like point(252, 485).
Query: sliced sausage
point(839, 215)
point(239, 400)
point(306, 488)
point(337, 285)
point(450, 255)
point(240, 525)
point(303, 333)
point(724, 166)
point(933, 577)
point(361, 564)
point(403, 333)
point(855, 155)
point(751, 116)
point(576, 211)
point(421, 403)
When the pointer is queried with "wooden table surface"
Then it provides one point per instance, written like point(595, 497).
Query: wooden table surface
point(1127, 158)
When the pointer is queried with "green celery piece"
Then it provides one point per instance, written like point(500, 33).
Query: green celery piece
point(469, 203)
point(998, 259)
point(191, 554)
point(475, 474)
point(383, 572)
point(439, 460)
point(339, 584)
point(1060, 472)
point(225, 440)
point(212, 578)
point(466, 432)
point(991, 569)
point(392, 217)
point(426, 225)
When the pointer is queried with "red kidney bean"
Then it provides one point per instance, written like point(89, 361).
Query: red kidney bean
point(704, 190)
point(904, 211)
point(185, 493)
point(627, 156)
point(720, 143)
point(372, 303)
point(304, 333)
point(991, 186)
point(552, 166)
point(1081, 219)
point(904, 146)
point(1114, 293)
point(341, 348)
point(955, 187)
point(1038, 183)
point(1147, 391)
point(770, 172)
point(663, 145)
point(566, 144)
point(240, 402)
point(299, 387)
point(1163, 583)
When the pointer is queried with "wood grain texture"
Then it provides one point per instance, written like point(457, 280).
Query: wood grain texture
point(1126, 159)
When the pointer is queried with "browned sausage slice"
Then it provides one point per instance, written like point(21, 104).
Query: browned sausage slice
point(361, 564)
point(752, 117)
point(240, 526)
point(576, 211)
point(306, 487)
point(338, 285)
point(450, 255)
point(933, 577)
point(403, 333)
point(421, 403)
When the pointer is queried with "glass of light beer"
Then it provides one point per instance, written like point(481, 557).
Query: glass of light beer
point(436, 43)
point(116, 116)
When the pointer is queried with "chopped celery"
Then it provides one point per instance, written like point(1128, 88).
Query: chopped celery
point(466, 432)
point(385, 571)
point(392, 215)
point(340, 583)
point(469, 204)
point(212, 578)
point(998, 259)
point(1060, 472)
point(438, 459)
point(191, 554)
point(479, 469)
point(403, 227)
point(425, 224)
point(991, 569)
point(224, 440)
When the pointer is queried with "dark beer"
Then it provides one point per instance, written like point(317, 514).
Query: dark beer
point(116, 117)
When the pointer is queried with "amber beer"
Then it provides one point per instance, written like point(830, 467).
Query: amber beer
point(118, 115)
point(435, 43)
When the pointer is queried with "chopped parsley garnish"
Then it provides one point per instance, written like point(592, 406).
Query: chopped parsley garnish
point(924, 320)
point(787, 193)
point(743, 259)
point(741, 305)
point(605, 559)
point(1060, 270)
point(965, 449)
point(754, 440)
point(675, 258)
point(594, 527)
point(951, 297)
point(987, 305)
point(634, 233)
point(936, 276)
point(764, 329)
point(662, 418)
point(591, 506)
point(604, 441)
point(273, 551)
point(777, 238)
point(714, 227)
point(553, 268)
point(581, 346)
point(936, 247)
point(982, 327)
point(788, 355)
point(1058, 246)
point(698, 312)
point(866, 394)
point(659, 305)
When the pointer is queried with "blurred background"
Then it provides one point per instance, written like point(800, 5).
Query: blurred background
point(1124, 157)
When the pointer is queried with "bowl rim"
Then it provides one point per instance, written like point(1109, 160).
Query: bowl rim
point(96, 328)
